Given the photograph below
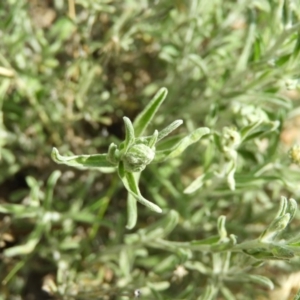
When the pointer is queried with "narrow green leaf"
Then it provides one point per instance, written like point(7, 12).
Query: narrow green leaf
point(34, 191)
point(13, 271)
point(260, 254)
point(282, 252)
point(195, 185)
point(129, 136)
point(50, 186)
point(153, 139)
point(82, 216)
point(248, 44)
point(247, 130)
point(230, 177)
point(221, 227)
point(156, 295)
point(159, 286)
point(163, 227)
point(131, 211)
point(163, 148)
point(208, 241)
point(217, 141)
point(112, 156)
point(82, 161)
point(262, 130)
point(293, 207)
point(209, 154)
point(124, 262)
point(136, 192)
point(166, 131)
point(297, 46)
point(171, 221)
point(283, 207)
point(277, 225)
point(29, 246)
point(130, 184)
point(210, 293)
point(192, 138)
point(144, 118)
point(199, 62)
point(20, 211)
point(262, 280)
point(228, 295)
point(197, 266)
point(132, 207)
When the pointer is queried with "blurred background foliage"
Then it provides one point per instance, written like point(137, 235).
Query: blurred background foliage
point(70, 70)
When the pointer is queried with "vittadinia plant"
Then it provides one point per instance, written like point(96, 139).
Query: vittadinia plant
point(132, 155)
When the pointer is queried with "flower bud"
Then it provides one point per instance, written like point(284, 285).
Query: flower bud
point(231, 138)
point(294, 154)
point(138, 157)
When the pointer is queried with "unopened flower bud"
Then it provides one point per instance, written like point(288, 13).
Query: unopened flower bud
point(138, 157)
point(294, 154)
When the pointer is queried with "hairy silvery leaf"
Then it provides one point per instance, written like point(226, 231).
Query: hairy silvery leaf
point(197, 266)
point(35, 193)
point(230, 177)
point(262, 130)
point(125, 262)
point(233, 239)
point(153, 139)
point(163, 227)
point(282, 207)
point(98, 161)
point(50, 186)
point(210, 293)
point(247, 130)
point(131, 185)
point(180, 146)
point(198, 182)
point(158, 286)
point(262, 280)
point(157, 230)
point(144, 118)
point(184, 255)
point(281, 220)
point(293, 206)
point(132, 206)
point(113, 154)
point(20, 211)
point(208, 241)
point(277, 225)
point(195, 185)
point(131, 211)
point(282, 252)
point(260, 253)
point(221, 227)
point(129, 136)
point(29, 246)
point(192, 138)
point(228, 295)
point(166, 131)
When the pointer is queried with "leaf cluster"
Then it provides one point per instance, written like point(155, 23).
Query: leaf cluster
point(69, 73)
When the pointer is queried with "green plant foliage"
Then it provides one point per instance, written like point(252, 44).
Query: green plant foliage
point(134, 154)
point(218, 218)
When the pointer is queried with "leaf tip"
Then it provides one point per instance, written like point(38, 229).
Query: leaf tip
point(54, 154)
point(163, 90)
point(159, 211)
